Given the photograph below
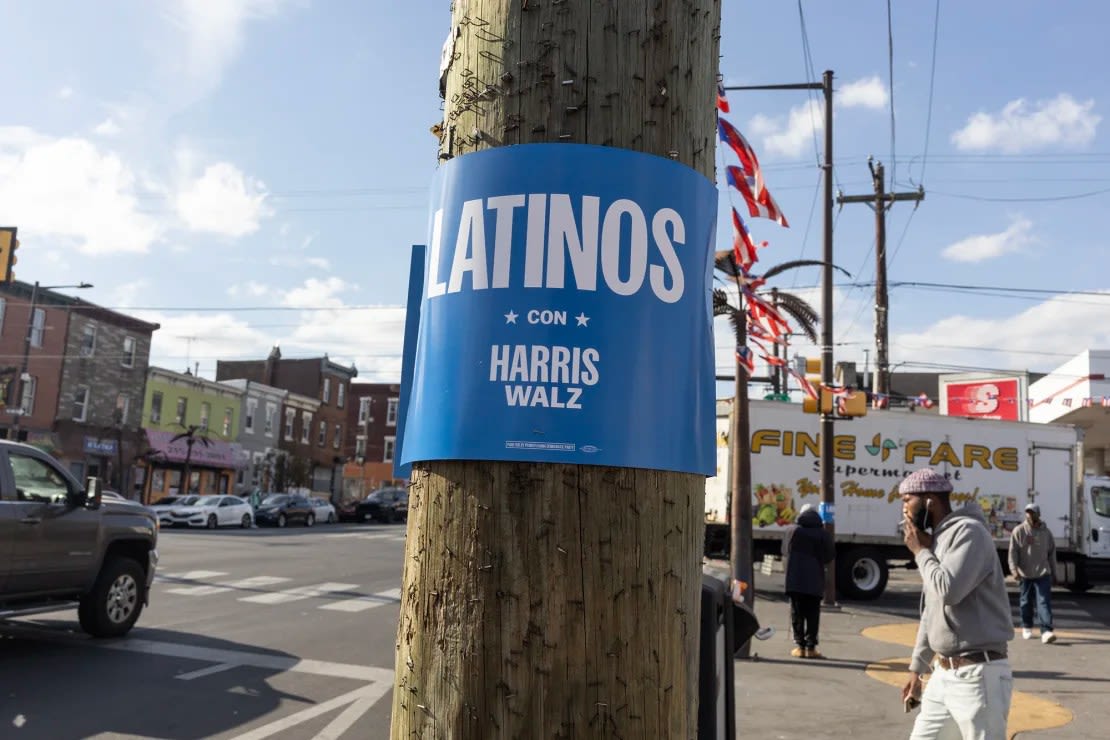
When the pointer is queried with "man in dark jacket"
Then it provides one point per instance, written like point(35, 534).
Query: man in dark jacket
point(806, 547)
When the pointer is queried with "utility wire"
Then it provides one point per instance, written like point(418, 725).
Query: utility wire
point(932, 80)
point(890, 85)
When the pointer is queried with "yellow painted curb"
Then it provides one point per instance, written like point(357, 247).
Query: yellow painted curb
point(1027, 711)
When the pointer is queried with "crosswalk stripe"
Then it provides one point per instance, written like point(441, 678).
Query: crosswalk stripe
point(362, 603)
point(296, 594)
point(246, 583)
point(192, 575)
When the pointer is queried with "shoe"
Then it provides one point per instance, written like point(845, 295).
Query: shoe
point(798, 652)
point(1026, 633)
point(1048, 637)
point(813, 654)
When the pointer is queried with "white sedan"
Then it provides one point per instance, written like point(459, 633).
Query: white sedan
point(324, 510)
point(211, 512)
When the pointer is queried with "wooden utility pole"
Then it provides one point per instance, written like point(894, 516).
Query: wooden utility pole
point(547, 600)
point(880, 202)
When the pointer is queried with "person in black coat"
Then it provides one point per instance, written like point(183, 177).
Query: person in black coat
point(806, 548)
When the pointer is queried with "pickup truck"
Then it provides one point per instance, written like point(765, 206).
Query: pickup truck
point(64, 545)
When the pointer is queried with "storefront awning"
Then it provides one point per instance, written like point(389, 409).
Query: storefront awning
point(214, 454)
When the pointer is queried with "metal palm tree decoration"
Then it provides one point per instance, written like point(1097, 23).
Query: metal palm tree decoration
point(191, 436)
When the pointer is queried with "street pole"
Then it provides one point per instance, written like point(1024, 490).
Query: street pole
point(25, 363)
point(828, 492)
point(880, 201)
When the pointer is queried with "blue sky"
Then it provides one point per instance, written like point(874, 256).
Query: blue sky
point(222, 166)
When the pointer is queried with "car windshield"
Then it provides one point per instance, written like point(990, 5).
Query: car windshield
point(207, 501)
point(1101, 498)
point(169, 501)
point(274, 500)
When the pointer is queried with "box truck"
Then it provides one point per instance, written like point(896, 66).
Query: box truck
point(1000, 465)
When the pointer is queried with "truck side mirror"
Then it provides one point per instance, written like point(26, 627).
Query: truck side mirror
point(92, 493)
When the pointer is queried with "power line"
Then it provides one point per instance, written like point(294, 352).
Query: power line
point(890, 85)
point(1032, 199)
point(998, 288)
point(932, 80)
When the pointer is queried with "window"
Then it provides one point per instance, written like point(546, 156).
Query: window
point(340, 395)
point(271, 409)
point(37, 481)
point(27, 403)
point(38, 326)
point(88, 340)
point(360, 446)
point(228, 415)
point(252, 409)
point(123, 403)
point(391, 413)
point(3, 305)
point(205, 413)
point(306, 427)
point(338, 436)
point(81, 403)
point(363, 410)
point(1100, 497)
point(156, 407)
point(327, 389)
point(290, 417)
point(128, 359)
point(390, 443)
point(323, 433)
point(182, 408)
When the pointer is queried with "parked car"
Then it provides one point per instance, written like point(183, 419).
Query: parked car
point(324, 510)
point(281, 509)
point(163, 506)
point(62, 544)
point(384, 505)
point(211, 512)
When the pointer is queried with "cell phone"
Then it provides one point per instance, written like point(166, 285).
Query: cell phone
point(910, 704)
point(921, 519)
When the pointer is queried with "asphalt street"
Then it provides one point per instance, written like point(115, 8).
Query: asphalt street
point(250, 634)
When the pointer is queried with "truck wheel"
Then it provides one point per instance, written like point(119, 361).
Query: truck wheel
point(116, 600)
point(861, 573)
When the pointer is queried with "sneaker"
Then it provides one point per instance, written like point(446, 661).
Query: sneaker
point(812, 653)
point(798, 652)
point(1026, 633)
point(1048, 637)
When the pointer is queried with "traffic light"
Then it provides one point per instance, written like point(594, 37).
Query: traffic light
point(853, 403)
point(8, 245)
point(810, 369)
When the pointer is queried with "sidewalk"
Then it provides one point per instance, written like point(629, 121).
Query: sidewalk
point(1059, 690)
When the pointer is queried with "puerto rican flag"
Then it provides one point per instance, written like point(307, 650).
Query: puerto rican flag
point(1106, 400)
point(924, 401)
point(745, 359)
point(759, 200)
point(743, 247)
point(1088, 402)
point(722, 101)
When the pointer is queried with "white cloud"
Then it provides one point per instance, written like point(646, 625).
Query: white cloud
point(65, 93)
point(69, 188)
point(794, 135)
point(224, 201)
point(987, 246)
point(186, 339)
point(316, 293)
point(868, 92)
point(372, 338)
point(250, 288)
point(319, 262)
point(1020, 126)
point(107, 127)
point(127, 294)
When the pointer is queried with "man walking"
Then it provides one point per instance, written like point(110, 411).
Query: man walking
point(1033, 564)
point(807, 548)
point(965, 616)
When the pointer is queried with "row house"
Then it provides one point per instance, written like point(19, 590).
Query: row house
point(261, 426)
point(319, 434)
point(191, 426)
point(72, 381)
point(372, 421)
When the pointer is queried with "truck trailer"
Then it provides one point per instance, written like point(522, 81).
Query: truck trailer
point(1001, 465)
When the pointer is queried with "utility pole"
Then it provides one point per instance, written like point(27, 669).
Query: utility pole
point(880, 201)
point(553, 599)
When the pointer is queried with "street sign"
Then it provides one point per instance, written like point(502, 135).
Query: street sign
point(565, 312)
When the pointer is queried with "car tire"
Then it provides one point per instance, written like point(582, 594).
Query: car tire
point(212, 522)
point(310, 520)
point(115, 602)
point(281, 520)
point(246, 521)
point(331, 518)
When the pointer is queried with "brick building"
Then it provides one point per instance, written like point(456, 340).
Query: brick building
point(317, 378)
point(371, 437)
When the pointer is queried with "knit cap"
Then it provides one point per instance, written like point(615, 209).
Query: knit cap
point(924, 481)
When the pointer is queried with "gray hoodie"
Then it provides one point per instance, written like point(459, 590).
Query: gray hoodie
point(965, 606)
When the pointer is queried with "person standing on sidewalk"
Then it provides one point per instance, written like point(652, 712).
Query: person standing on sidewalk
point(1033, 565)
point(807, 548)
point(965, 616)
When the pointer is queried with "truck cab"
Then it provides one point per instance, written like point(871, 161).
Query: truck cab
point(63, 545)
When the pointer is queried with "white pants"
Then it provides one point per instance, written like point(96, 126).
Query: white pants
point(971, 703)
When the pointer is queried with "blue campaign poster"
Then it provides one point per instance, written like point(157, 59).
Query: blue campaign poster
point(408, 355)
point(565, 313)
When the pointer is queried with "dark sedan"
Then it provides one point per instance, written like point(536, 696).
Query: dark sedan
point(281, 509)
point(385, 505)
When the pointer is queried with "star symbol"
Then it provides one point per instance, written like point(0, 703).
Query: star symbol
point(510, 317)
point(582, 319)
